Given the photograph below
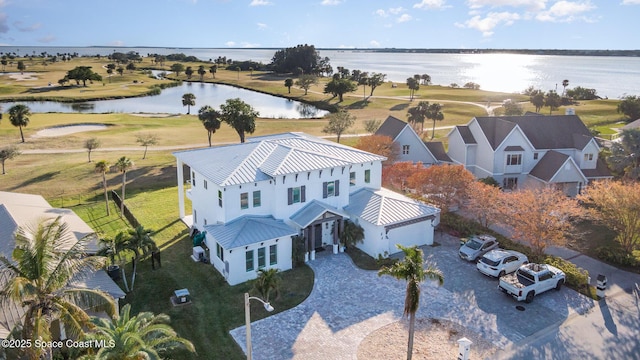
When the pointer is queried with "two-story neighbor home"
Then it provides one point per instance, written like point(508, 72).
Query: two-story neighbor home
point(252, 198)
point(410, 145)
point(528, 151)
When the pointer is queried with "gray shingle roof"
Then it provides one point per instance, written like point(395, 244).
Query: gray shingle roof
point(267, 156)
point(600, 172)
point(436, 148)
point(391, 127)
point(385, 207)
point(312, 211)
point(544, 132)
point(249, 229)
point(549, 165)
point(466, 134)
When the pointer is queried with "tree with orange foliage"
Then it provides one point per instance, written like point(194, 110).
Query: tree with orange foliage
point(442, 185)
point(540, 217)
point(395, 176)
point(484, 203)
point(380, 145)
point(616, 205)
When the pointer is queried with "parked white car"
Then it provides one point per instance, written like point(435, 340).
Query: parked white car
point(477, 246)
point(499, 262)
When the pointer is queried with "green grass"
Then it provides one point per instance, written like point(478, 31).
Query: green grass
point(217, 307)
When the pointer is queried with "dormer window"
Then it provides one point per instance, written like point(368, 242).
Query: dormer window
point(588, 157)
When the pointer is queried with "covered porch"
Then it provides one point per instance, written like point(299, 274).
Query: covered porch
point(321, 227)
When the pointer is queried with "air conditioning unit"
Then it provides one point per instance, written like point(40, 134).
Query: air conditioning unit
point(198, 254)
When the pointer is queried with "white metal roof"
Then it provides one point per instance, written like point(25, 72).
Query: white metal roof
point(247, 230)
point(312, 211)
point(265, 157)
point(385, 207)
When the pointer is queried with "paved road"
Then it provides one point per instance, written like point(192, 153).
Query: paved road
point(347, 304)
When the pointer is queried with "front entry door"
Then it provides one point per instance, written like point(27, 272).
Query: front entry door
point(318, 236)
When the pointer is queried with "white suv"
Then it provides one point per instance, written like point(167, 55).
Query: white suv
point(499, 262)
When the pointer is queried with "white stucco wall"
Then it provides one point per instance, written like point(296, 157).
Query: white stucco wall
point(415, 234)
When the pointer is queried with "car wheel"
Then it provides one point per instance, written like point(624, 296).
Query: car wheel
point(501, 274)
point(559, 284)
point(530, 296)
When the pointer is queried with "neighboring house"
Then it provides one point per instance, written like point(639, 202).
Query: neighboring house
point(529, 151)
point(251, 198)
point(410, 145)
point(24, 210)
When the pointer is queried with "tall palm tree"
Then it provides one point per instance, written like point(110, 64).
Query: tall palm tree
point(188, 100)
point(123, 165)
point(417, 114)
point(434, 112)
point(565, 83)
point(201, 72)
point(141, 336)
point(412, 271)
point(39, 276)
point(113, 247)
point(268, 281)
point(102, 167)
point(210, 119)
point(19, 117)
point(140, 242)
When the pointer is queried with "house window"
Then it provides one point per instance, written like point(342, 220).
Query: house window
point(405, 149)
point(256, 199)
point(535, 156)
point(273, 254)
point(249, 260)
point(244, 201)
point(193, 179)
point(514, 159)
point(219, 198)
point(205, 184)
point(330, 188)
point(510, 183)
point(262, 258)
point(220, 252)
point(296, 195)
point(367, 176)
point(352, 179)
point(588, 157)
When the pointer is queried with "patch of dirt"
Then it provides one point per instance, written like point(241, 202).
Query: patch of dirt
point(434, 339)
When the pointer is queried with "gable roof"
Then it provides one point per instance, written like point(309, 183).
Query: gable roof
point(265, 157)
point(632, 125)
point(247, 230)
point(466, 134)
point(544, 132)
point(436, 148)
point(549, 165)
point(385, 207)
point(312, 211)
point(391, 127)
point(600, 172)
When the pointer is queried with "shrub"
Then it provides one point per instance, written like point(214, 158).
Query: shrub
point(458, 224)
point(617, 256)
point(576, 277)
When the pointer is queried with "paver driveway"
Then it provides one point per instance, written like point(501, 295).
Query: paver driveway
point(348, 303)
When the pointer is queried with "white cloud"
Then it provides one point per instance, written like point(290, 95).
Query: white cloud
point(565, 11)
point(259, 3)
point(404, 18)
point(533, 5)
point(381, 13)
point(490, 22)
point(262, 26)
point(330, 2)
point(630, 2)
point(429, 4)
point(230, 43)
point(374, 43)
point(397, 10)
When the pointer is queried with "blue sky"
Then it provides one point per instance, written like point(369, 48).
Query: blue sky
point(466, 24)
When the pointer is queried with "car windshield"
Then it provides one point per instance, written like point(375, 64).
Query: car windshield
point(490, 262)
point(525, 278)
point(473, 244)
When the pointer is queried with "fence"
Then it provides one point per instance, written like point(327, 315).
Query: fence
point(127, 213)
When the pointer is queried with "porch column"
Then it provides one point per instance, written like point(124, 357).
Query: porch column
point(313, 242)
point(180, 188)
point(306, 244)
point(342, 229)
point(336, 227)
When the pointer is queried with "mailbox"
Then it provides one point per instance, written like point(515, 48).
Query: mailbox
point(601, 285)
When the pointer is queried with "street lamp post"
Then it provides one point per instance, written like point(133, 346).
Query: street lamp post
point(247, 318)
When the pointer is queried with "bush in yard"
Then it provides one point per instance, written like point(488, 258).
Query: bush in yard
point(617, 256)
point(460, 225)
point(575, 277)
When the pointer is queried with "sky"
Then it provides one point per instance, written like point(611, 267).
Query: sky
point(451, 24)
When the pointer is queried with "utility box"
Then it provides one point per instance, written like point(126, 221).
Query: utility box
point(182, 296)
point(198, 254)
point(464, 348)
point(601, 285)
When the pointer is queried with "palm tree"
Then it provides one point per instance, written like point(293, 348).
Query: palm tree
point(417, 114)
point(210, 119)
point(288, 83)
point(267, 281)
point(113, 247)
point(565, 83)
point(201, 72)
point(102, 167)
point(38, 278)
point(140, 242)
point(213, 69)
point(19, 117)
point(412, 271)
point(123, 164)
point(352, 234)
point(142, 336)
point(188, 100)
point(434, 112)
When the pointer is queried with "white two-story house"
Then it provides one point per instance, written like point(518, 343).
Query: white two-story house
point(251, 198)
point(528, 151)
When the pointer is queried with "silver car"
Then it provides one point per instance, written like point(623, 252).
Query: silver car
point(477, 246)
point(499, 262)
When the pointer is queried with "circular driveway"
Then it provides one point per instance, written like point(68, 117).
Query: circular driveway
point(347, 303)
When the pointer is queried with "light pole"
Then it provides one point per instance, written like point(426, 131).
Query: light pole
point(247, 318)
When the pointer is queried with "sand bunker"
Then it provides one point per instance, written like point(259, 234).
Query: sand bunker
point(69, 129)
point(22, 77)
